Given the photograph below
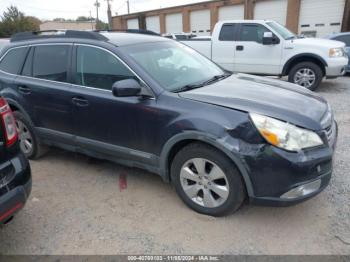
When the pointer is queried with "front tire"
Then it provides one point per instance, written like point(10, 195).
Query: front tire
point(207, 180)
point(306, 74)
point(28, 141)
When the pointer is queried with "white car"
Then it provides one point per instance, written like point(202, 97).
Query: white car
point(265, 47)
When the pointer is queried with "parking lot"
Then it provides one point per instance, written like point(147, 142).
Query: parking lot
point(81, 206)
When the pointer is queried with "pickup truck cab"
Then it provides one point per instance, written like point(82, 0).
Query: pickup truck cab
point(265, 47)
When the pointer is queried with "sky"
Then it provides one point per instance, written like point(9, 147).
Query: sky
point(71, 9)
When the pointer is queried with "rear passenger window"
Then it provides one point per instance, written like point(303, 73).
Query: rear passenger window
point(51, 62)
point(100, 69)
point(253, 33)
point(227, 32)
point(13, 60)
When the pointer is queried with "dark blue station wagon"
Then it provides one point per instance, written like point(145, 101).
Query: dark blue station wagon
point(153, 103)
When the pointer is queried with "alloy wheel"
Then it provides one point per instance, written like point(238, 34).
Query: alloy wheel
point(305, 77)
point(25, 138)
point(204, 182)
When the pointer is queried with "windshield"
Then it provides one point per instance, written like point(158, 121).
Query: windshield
point(173, 65)
point(281, 30)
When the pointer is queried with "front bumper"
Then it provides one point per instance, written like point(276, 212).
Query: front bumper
point(336, 67)
point(15, 193)
point(281, 178)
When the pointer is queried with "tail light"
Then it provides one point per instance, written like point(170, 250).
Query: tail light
point(8, 123)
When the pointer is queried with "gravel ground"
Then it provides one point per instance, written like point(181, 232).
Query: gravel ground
point(78, 207)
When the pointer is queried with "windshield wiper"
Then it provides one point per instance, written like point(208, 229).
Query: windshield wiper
point(187, 88)
point(207, 82)
point(216, 78)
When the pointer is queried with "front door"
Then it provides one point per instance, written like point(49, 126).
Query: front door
point(103, 122)
point(252, 56)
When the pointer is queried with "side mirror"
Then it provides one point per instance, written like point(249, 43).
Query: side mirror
point(127, 87)
point(270, 39)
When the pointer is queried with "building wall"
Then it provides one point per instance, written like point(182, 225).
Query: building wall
point(53, 25)
point(292, 14)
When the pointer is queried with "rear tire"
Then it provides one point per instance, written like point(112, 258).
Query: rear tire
point(28, 140)
point(306, 74)
point(207, 180)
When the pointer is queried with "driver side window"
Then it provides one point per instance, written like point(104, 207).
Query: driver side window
point(99, 69)
point(253, 33)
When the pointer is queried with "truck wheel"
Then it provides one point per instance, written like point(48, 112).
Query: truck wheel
point(28, 141)
point(207, 181)
point(306, 74)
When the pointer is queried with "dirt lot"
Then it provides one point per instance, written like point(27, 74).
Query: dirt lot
point(77, 207)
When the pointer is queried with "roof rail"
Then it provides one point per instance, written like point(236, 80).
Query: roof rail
point(134, 31)
point(57, 34)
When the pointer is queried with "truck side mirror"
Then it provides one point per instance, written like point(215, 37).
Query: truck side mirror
point(270, 39)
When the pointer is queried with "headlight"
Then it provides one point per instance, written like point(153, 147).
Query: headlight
point(336, 52)
point(285, 135)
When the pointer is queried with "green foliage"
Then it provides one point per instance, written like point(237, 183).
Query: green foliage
point(101, 25)
point(13, 21)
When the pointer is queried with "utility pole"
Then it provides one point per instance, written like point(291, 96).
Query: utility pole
point(128, 5)
point(92, 24)
point(97, 4)
point(109, 13)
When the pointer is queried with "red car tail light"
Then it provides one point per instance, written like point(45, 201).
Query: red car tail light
point(8, 122)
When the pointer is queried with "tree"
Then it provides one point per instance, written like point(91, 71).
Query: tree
point(14, 21)
point(84, 19)
point(101, 25)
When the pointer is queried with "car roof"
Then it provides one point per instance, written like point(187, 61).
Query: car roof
point(114, 38)
point(123, 39)
point(337, 34)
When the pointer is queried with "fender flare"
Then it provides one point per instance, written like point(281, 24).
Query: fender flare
point(208, 139)
point(306, 55)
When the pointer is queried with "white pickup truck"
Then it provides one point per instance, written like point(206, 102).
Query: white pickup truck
point(265, 47)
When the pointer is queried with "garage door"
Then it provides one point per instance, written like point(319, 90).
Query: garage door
point(133, 23)
point(273, 10)
point(231, 12)
point(200, 22)
point(173, 23)
point(320, 17)
point(152, 23)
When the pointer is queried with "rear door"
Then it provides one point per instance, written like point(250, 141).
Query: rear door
point(43, 85)
point(252, 56)
point(223, 48)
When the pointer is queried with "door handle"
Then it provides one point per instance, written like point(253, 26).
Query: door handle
point(80, 101)
point(239, 48)
point(24, 90)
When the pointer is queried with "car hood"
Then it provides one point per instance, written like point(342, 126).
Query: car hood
point(266, 96)
point(318, 42)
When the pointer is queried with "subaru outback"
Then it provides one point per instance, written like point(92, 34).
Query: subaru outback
point(153, 103)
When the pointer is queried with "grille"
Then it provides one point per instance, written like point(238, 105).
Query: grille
point(331, 133)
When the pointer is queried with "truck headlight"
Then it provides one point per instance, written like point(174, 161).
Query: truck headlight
point(285, 135)
point(336, 52)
